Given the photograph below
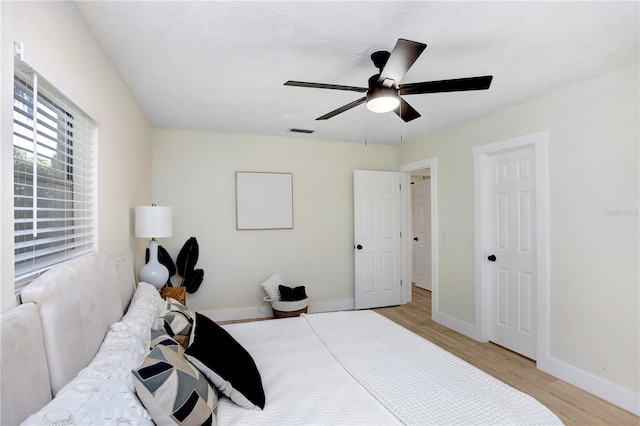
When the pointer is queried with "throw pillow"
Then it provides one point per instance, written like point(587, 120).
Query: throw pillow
point(270, 286)
point(178, 326)
point(178, 321)
point(172, 390)
point(288, 294)
point(160, 337)
point(174, 305)
point(226, 364)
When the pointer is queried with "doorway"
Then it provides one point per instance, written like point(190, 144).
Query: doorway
point(427, 167)
point(421, 228)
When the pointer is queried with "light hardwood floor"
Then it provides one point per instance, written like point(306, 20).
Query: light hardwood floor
point(574, 406)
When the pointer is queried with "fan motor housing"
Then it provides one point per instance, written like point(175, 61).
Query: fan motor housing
point(380, 58)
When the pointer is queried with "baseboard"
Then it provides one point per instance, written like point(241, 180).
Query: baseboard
point(236, 314)
point(611, 392)
point(455, 324)
point(332, 305)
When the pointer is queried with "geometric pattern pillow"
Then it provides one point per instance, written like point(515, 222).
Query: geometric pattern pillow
point(173, 391)
point(178, 326)
point(178, 322)
point(160, 337)
point(174, 305)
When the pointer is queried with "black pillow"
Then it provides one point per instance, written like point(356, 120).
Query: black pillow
point(288, 294)
point(226, 364)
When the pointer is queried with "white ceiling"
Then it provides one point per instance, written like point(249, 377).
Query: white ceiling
point(213, 65)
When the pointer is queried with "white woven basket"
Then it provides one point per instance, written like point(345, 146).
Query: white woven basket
point(283, 306)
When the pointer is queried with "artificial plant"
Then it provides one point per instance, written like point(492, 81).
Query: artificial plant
point(182, 273)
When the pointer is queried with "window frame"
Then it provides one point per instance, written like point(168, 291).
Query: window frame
point(64, 167)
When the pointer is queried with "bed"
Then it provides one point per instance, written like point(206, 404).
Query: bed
point(353, 367)
point(358, 367)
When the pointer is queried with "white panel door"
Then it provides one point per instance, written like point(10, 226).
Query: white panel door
point(421, 221)
point(512, 251)
point(377, 240)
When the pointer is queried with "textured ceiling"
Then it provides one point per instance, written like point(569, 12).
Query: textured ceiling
point(212, 65)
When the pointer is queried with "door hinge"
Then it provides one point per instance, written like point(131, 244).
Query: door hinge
point(400, 283)
point(400, 234)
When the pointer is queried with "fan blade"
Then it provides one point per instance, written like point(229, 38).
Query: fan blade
point(342, 109)
point(403, 55)
point(454, 85)
point(326, 86)
point(406, 111)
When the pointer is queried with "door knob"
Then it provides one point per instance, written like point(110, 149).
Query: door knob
point(491, 258)
point(359, 247)
point(415, 238)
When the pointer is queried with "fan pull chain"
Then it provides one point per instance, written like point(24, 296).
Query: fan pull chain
point(401, 125)
point(366, 132)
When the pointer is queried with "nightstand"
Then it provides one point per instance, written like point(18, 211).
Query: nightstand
point(178, 293)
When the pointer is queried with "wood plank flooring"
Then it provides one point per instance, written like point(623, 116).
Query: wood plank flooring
point(574, 406)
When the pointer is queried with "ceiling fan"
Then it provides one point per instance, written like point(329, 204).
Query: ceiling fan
point(384, 91)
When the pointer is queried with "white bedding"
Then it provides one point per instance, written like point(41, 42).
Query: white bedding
point(418, 381)
point(103, 393)
point(378, 360)
point(303, 384)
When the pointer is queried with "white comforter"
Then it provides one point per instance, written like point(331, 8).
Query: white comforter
point(303, 384)
point(418, 381)
point(361, 368)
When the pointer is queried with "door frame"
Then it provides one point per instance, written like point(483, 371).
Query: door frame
point(407, 266)
point(537, 141)
point(427, 242)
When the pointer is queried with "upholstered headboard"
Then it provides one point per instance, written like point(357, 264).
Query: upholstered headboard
point(70, 309)
point(78, 301)
point(25, 374)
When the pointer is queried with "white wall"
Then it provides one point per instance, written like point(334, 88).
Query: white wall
point(593, 211)
point(58, 35)
point(194, 172)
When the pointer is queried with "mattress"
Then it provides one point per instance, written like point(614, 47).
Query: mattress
point(358, 367)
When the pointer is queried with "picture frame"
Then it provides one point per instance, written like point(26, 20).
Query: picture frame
point(264, 200)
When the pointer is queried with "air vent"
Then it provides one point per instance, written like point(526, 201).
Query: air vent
point(301, 131)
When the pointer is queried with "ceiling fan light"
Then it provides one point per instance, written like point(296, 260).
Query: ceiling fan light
point(383, 99)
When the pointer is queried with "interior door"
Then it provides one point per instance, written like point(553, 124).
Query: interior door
point(421, 225)
point(377, 239)
point(512, 250)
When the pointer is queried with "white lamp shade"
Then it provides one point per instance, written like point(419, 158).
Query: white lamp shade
point(153, 222)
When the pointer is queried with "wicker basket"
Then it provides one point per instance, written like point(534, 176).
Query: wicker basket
point(283, 309)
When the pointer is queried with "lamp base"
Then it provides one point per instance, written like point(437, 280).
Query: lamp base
point(154, 272)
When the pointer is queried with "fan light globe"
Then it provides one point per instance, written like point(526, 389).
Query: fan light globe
point(383, 99)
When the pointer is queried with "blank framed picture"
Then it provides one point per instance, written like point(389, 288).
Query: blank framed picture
point(264, 200)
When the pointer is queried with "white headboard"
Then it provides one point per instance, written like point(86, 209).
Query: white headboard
point(25, 374)
point(77, 302)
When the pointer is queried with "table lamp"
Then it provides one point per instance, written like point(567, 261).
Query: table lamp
point(153, 222)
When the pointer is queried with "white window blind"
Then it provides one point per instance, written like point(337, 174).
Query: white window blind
point(54, 158)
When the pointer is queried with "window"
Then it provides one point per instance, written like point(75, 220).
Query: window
point(54, 163)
